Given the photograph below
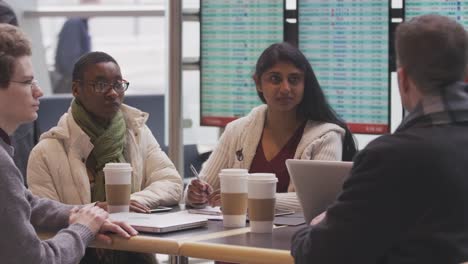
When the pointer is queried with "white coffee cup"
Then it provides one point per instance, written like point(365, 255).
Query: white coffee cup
point(118, 177)
point(261, 201)
point(234, 196)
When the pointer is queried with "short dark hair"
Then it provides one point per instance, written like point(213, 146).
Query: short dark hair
point(433, 49)
point(90, 58)
point(314, 105)
point(13, 44)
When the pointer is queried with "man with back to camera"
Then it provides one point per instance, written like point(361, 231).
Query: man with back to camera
point(406, 199)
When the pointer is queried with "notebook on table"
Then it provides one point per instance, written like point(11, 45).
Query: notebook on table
point(161, 223)
point(317, 183)
point(215, 213)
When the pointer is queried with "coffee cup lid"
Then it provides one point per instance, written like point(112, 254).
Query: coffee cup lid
point(117, 166)
point(243, 173)
point(233, 171)
point(264, 177)
point(239, 175)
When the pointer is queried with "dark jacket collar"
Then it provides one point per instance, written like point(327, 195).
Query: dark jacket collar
point(4, 136)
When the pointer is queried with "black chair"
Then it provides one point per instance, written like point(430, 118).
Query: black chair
point(154, 105)
point(50, 111)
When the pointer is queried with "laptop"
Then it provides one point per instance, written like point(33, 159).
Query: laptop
point(317, 183)
point(161, 223)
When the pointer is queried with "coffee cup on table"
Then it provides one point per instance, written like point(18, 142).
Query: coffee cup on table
point(261, 201)
point(118, 177)
point(234, 196)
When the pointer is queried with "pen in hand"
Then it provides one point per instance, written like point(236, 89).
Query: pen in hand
point(213, 197)
point(195, 173)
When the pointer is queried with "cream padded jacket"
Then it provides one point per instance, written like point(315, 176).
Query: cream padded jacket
point(57, 170)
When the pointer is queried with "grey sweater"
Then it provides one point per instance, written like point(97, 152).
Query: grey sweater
point(21, 213)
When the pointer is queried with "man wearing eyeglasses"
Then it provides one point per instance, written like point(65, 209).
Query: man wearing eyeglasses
point(24, 138)
point(66, 165)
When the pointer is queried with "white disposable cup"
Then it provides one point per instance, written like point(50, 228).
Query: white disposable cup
point(262, 189)
point(234, 181)
point(118, 174)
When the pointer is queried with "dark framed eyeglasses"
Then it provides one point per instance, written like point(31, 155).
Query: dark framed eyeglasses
point(103, 87)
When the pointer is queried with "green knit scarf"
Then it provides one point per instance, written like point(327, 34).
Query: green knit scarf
point(108, 141)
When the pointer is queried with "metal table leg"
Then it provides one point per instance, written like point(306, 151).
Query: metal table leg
point(178, 260)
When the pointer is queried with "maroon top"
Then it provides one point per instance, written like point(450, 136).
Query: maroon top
point(277, 165)
point(5, 137)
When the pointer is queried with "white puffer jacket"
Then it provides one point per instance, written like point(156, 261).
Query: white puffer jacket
point(57, 164)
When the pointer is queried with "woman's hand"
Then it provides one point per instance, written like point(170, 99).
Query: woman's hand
point(198, 192)
point(318, 218)
point(214, 199)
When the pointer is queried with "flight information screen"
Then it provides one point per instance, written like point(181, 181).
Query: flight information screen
point(347, 43)
point(233, 35)
point(457, 10)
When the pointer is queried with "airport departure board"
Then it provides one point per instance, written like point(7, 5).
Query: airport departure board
point(455, 9)
point(347, 43)
point(233, 35)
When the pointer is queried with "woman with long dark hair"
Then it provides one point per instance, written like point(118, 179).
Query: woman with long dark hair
point(295, 122)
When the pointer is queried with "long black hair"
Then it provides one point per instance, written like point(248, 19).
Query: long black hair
point(314, 105)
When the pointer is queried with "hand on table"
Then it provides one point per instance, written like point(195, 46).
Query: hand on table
point(90, 216)
point(138, 207)
point(121, 229)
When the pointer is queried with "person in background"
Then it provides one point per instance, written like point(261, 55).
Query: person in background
point(7, 15)
point(24, 137)
point(406, 198)
point(22, 212)
point(73, 42)
point(67, 163)
point(295, 122)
